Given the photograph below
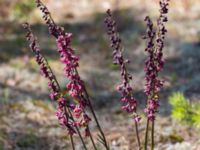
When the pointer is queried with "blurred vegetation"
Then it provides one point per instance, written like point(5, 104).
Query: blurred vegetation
point(1, 147)
point(23, 9)
point(27, 140)
point(16, 10)
point(185, 111)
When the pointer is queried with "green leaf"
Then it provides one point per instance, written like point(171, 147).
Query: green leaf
point(184, 111)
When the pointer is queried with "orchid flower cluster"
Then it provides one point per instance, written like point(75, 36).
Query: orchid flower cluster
point(53, 85)
point(76, 110)
point(75, 86)
point(129, 102)
point(73, 113)
point(153, 65)
point(126, 91)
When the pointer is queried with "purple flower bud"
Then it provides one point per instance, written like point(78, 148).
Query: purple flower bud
point(137, 118)
point(87, 132)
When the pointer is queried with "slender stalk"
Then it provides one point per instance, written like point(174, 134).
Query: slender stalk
point(97, 122)
point(52, 73)
point(152, 135)
point(137, 135)
point(72, 142)
point(136, 123)
point(146, 135)
point(66, 109)
point(91, 138)
point(78, 131)
point(95, 117)
point(71, 136)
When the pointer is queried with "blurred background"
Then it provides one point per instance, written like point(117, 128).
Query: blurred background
point(27, 116)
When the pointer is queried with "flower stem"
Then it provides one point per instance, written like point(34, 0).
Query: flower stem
point(68, 111)
point(152, 135)
point(137, 134)
point(78, 131)
point(91, 138)
point(71, 136)
point(146, 135)
point(72, 142)
point(95, 117)
point(98, 125)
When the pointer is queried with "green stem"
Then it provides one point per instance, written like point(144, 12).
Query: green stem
point(152, 135)
point(146, 135)
point(98, 126)
point(94, 115)
point(91, 138)
point(137, 135)
point(72, 142)
point(78, 131)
